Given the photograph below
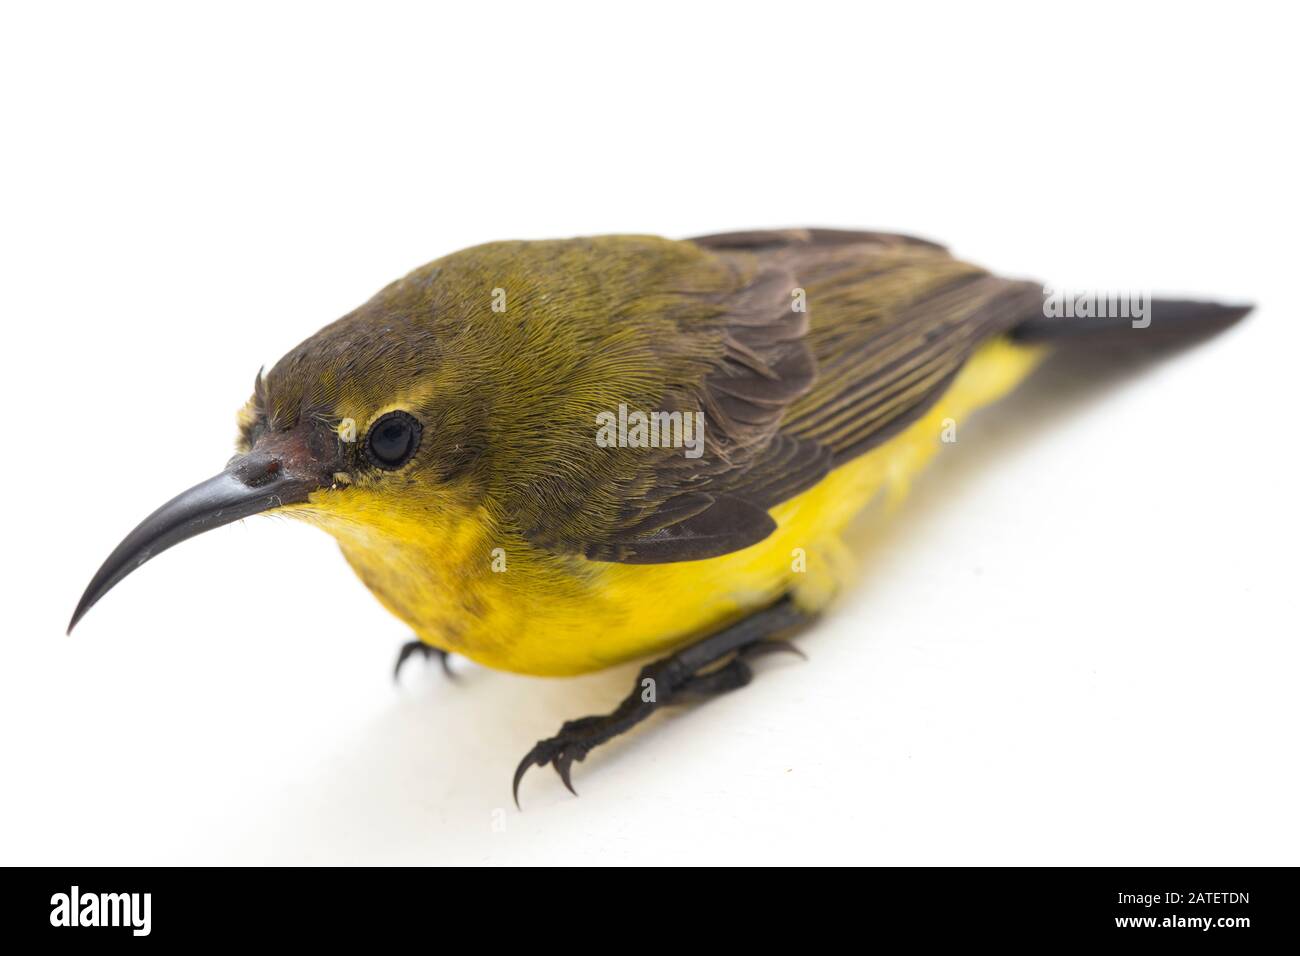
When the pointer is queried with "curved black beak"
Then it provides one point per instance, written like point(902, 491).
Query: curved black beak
point(252, 483)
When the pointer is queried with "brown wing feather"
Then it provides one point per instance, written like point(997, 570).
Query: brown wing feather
point(700, 508)
point(890, 320)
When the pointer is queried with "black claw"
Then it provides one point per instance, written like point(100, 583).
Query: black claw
point(563, 763)
point(445, 659)
point(411, 648)
point(522, 769)
point(559, 752)
point(763, 648)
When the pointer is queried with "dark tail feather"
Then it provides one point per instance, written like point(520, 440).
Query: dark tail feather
point(1168, 322)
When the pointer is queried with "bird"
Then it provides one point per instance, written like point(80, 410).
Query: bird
point(556, 456)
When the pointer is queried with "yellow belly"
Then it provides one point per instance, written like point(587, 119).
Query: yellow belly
point(491, 597)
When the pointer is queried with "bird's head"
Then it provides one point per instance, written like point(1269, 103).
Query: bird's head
point(367, 428)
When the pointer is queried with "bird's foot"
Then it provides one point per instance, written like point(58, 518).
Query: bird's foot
point(655, 686)
point(688, 674)
point(411, 648)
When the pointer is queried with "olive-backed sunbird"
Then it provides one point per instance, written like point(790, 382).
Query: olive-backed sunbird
point(552, 457)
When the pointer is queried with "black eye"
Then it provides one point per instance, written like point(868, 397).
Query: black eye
point(393, 440)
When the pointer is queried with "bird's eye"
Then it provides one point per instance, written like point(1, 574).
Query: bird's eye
point(393, 440)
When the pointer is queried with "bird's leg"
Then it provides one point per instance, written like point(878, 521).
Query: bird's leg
point(684, 674)
point(426, 651)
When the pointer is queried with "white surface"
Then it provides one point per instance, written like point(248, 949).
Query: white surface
point(1076, 643)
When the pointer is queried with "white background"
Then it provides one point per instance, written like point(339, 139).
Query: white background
point(1075, 643)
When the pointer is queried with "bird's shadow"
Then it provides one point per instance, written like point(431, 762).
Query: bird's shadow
point(438, 762)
